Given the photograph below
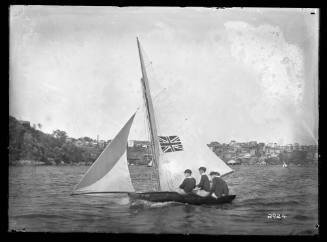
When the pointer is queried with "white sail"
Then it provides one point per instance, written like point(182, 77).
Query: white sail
point(109, 173)
point(189, 151)
point(168, 119)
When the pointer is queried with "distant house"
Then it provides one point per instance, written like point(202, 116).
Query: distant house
point(237, 146)
point(296, 146)
point(214, 146)
point(277, 151)
point(313, 148)
point(261, 148)
point(253, 152)
point(102, 143)
point(68, 139)
point(142, 144)
point(232, 143)
point(130, 143)
point(289, 148)
point(25, 123)
point(271, 145)
point(233, 162)
point(79, 143)
point(243, 144)
point(252, 143)
point(246, 155)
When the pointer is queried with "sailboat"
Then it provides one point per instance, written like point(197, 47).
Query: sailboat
point(174, 149)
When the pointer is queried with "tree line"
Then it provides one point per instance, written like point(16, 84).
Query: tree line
point(28, 143)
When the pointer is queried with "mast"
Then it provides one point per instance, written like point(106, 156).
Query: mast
point(150, 115)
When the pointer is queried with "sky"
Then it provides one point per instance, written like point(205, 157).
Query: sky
point(238, 73)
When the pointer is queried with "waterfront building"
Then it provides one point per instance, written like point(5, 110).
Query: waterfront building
point(296, 146)
point(289, 148)
point(232, 143)
point(252, 143)
point(26, 124)
point(79, 143)
point(130, 143)
point(253, 152)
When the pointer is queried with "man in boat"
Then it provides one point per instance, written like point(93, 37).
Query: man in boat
point(188, 184)
point(203, 188)
point(219, 187)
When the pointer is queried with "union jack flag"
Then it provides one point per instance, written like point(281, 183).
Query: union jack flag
point(170, 143)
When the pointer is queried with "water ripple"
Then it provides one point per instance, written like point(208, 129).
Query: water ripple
point(39, 200)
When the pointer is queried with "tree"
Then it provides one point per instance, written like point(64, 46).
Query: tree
point(60, 135)
point(57, 151)
point(16, 135)
point(28, 143)
point(28, 147)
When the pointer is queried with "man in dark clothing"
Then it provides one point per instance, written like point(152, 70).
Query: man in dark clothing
point(219, 186)
point(188, 184)
point(203, 188)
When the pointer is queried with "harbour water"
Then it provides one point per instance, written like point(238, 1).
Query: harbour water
point(271, 200)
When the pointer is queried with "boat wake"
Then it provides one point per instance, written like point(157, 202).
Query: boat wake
point(112, 198)
point(122, 201)
point(147, 204)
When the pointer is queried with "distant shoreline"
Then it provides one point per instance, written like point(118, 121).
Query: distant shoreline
point(39, 163)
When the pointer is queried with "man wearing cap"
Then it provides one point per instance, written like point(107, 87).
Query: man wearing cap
point(203, 188)
point(219, 186)
point(188, 184)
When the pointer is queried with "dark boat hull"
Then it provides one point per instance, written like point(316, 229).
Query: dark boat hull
point(176, 197)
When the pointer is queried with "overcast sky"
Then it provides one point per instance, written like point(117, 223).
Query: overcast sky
point(243, 74)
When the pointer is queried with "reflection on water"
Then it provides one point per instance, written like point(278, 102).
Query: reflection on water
point(39, 200)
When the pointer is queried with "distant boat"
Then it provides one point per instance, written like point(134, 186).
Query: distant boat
point(173, 150)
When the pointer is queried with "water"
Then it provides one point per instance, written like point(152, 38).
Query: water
point(39, 200)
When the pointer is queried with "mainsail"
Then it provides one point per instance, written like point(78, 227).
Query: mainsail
point(179, 146)
point(150, 115)
point(188, 151)
point(109, 173)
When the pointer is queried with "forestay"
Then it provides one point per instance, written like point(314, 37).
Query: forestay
point(109, 173)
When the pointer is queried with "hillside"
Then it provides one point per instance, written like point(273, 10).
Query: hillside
point(29, 143)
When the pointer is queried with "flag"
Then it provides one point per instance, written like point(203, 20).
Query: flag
point(170, 143)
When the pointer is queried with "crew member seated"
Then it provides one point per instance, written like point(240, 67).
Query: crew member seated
point(203, 188)
point(188, 184)
point(219, 187)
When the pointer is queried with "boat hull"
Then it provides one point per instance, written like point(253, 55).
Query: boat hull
point(176, 197)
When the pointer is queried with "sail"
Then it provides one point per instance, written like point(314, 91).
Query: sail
point(180, 146)
point(109, 173)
